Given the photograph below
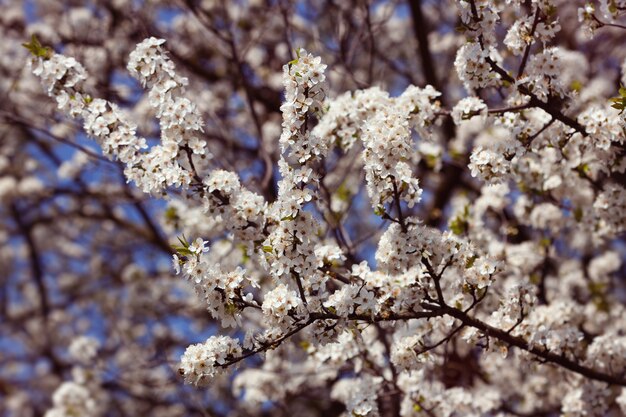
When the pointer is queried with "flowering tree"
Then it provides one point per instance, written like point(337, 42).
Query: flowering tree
point(423, 217)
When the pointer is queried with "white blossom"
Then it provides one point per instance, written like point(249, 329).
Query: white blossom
point(202, 361)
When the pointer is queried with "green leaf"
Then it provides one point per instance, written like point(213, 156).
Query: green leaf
point(296, 60)
point(470, 261)
point(535, 278)
point(458, 226)
point(182, 250)
point(343, 193)
point(244, 254)
point(170, 214)
point(597, 288)
point(431, 161)
point(583, 168)
point(231, 308)
point(578, 214)
point(183, 241)
point(37, 49)
point(619, 103)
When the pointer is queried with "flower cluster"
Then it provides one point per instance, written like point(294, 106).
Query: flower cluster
point(279, 302)
point(479, 19)
point(387, 141)
point(227, 199)
point(353, 298)
point(609, 207)
point(404, 353)
point(62, 76)
point(384, 125)
point(421, 106)
point(472, 66)
point(148, 63)
point(603, 125)
point(525, 31)
point(72, 399)
point(359, 395)
point(105, 122)
point(543, 74)
point(432, 252)
point(346, 114)
point(289, 250)
point(468, 108)
point(180, 121)
point(304, 84)
point(84, 349)
point(83, 395)
point(608, 352)
point(342, 347)
point(202, 361)
point(516, 305)
point(586, 17)
point(222, 291)
point(179, 118)
point(554, 327)
point(493, 162)
point(588, 399)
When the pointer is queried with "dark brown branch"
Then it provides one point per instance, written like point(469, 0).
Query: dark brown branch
point(549, 106)
point(540, 352)
point(421, 34)
point(396, 199)
point(35, 261)
point(522, 65)
point(601, 23)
